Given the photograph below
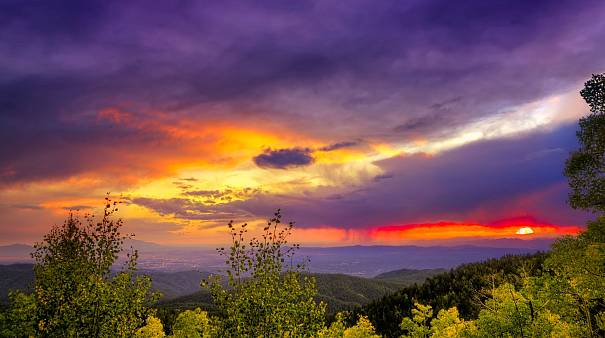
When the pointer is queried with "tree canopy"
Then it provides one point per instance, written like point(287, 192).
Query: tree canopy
point(585, 168)
point(75, 291)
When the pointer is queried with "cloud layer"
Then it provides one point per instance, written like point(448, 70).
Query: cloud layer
point(375, 114)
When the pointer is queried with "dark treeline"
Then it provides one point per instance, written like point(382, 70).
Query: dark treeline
point(462, 287)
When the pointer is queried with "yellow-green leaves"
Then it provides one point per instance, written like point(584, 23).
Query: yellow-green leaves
point(268, 293)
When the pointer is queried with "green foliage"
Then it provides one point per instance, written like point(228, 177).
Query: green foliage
point(342, 292)
point(18, 320)
point(265, 297)
point(585, 168)
point(462, 287)
point(153, 329)
point(577, 277)
point(75, 293)
point(362, 329)
point(446, 324)
point(193, 324)
point(566, 300)
point(417, 326)
point(339, 292)
point(449, 324)
point(510, 313)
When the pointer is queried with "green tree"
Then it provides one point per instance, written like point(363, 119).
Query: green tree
point(268, 294)
point(75, 292)
point(153, 329)
point(585, 168)
point(18, 320)
point(511, 313)
point(448, 324)
point(193, 324)
point(418, 325)
point(338, 329)
point(577, 277)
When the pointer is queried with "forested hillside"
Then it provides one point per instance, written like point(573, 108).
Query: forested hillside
point(409, 276)
point(340, 292)
point(181, 290)
point(462, 287)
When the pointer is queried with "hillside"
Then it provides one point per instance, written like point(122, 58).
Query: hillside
point(339, 291)
point(343, 292)
point(182, 289)
point(460, 287)
point(409, 276)
point(15, 277)
point(170, 284)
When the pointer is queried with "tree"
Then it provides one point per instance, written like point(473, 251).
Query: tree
point(153, 329)
point(577, 273)
point(448, 324)
point(18, 320)
point(418, 325)
point(193, 324)
point(511, 313)
point(585, 168)
point(338, 329)
point(268, 294)
point(75, 292)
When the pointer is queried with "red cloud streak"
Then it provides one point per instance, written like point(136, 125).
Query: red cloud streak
point(506, 228)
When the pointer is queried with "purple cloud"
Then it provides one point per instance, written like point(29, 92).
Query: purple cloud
point(336, 71)
point(284, 158)
point(339, 145)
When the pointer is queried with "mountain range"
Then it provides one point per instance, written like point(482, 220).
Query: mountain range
point(362, 261)
point(182, 289)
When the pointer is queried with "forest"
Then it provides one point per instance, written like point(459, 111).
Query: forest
point(266, 290)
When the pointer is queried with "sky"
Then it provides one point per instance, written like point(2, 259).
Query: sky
point(391, 122)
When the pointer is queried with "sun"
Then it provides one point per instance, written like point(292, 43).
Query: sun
point(525, 231)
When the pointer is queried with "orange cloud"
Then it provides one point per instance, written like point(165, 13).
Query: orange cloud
point(508, 228)
point(160, 145)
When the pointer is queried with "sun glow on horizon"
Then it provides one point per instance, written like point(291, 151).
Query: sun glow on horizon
point(525, 231)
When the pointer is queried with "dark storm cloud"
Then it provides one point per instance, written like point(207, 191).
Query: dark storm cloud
point(284, 158)
point(295, 157)
point(421, 126)
point(425, 66)
point(339, 145)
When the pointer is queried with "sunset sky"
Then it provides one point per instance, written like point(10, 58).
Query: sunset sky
point(366, 122)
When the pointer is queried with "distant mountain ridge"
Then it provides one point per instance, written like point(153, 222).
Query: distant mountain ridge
point(15, 253)
point(408, 276)
point(362, 261)
point(171, 284)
